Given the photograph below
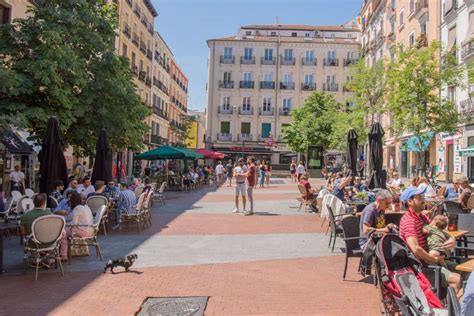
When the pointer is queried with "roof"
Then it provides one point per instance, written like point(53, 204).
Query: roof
point(300, 27)
point(14, 143)
point(164, 42)
point(287, 39)
point(151, 8)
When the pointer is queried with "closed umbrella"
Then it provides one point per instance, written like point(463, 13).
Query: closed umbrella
point(352, 151)
point(103, 159)
point(378, 176)
point(52, 162)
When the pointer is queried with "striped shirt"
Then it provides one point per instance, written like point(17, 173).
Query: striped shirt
point(411, 225)
point(127, 199)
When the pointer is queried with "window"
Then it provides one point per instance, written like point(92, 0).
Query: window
point(309, 56)
point(124, 50)
point(412, 6)
point(331, 79)
point(225, 127)
point(308, 79)
point(248, 52)
point(288, 54)
point(268, 54)
point(411, 39)
point(248, 33)
point(287, 104)
point(227, 52)
point(333, 35)
point(401, 22)
point(288, 78)
point(226, 102)
point(227, 77)
point(245, 128)
point(133, 59)
point(246, 103)
point(141, 65)
point(307, 35)
point(266, 130)
point(423, 28)
point(247, 76)
point(349, 35)
point(294, 34)
point(452, 94)
point(273, 34)
point(267, 104)
point(331, 55)
point(268, 77)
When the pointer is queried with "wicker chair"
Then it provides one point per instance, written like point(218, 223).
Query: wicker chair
point(146, 210)
point(29, 193)
point(351, 232)
point(135, 214)
point(304, 201)
point(44, 240)
point(16, 195)
point(77, 241)
point(8, 208)
point(160, 194)
point(95, 202)
point(26, 204)
point(138, 191)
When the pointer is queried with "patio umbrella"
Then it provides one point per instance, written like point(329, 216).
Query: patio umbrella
point(168, 152)
point(378, 176)
point(103, 159)
point(352, 151)
point(52, 162)
point(210, 154)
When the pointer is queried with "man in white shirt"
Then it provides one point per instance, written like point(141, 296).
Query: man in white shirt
point(219, 172)
point(85, 188)
point(17, 180)
point(240, 175)
point(300, 170)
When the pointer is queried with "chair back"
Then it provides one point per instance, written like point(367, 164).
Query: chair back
point(139, 206)
point(303, 192)
point(95, 202)
point(138, 191)
point(332, 219)
point(8, 206)
point(16, 195)
point(350, 228)
point(466, 222)
point(393, 218)
point(148, 198)
point(338, 206)
point(48, 229)
point(452, 207)
point(98, 217)
point(53, 203)
point(29, 193)
point(27, 204)
point(470, 202)
point(162, 187)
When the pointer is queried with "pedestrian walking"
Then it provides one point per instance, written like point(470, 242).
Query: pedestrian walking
point(293, 171)
point(220, 173)
point(240, 174)
point(261, 172)
point(268, 174)
point(300, 170)
point(230, 171)
point(251, 177)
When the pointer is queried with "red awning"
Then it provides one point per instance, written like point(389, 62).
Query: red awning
point(209, 154)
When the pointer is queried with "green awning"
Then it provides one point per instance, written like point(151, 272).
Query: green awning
point(467, 152)
point(413, 143)
point(168, 152)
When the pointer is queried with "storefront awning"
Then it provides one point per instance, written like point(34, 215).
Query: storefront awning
point(413, 143)
point(467, 152)
point(14, 144)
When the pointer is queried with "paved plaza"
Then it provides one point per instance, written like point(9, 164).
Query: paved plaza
point(275, 262)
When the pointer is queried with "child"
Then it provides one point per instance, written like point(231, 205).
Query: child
point(436, 239)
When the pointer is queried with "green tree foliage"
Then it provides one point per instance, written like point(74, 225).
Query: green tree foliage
point(344, 120)
point(61, 61)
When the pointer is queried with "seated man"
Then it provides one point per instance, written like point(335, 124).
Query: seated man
point(126, 200)
point(39, 202)
point(373, 216)
point(338, 190)
point(411, 231)
point(396, 182)
point(111, 190)
point(465, 191)
point(85, 188)
point(437, 236)
point(64, 207)
point(72, 186)
point(99, 189)
point(358, 185)
point(58, 188)
point(452, 190)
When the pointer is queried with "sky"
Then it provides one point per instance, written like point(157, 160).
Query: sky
point(186, 25)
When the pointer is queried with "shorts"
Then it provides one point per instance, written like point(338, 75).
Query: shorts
point(240, 189)
point(444, 277)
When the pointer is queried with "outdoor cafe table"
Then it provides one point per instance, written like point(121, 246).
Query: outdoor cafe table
point(3, 227)
point(458, 233)
point(466, 266)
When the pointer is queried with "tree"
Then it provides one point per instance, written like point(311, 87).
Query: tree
point(344, 120)
point(313, 123)
point(61, 61)
point(415, 80)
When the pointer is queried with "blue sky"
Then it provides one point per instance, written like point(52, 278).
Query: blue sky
point(187, 24)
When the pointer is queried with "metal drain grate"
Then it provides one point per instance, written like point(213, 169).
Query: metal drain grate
point(176, 306)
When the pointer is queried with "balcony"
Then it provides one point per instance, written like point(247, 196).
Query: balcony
point(226, 84)
point(227, 109)
point(149, 54)
point(228, 60)
point(266, 111)
point(247, 61)
point(156, 139)
point(245, 137)
point(308, 62)
point(308, 86)
point(246, 110)
point(126, 30)
point(226, 137)
point(350, 61)
point(288, 61)
point(421, 8)
point(160, 112)
point(136, 10)
point(287, 86)
point(135, 69)
point(148, 81)
point(331, 62)
point(467, 108)
point(267, 85)
point(332, 87)
point(144, 21)
point(453, 6)
point(264, 61)
point(143, 47)
point(247, 84)
point(142, 75)
point(135, 39)
point(285, 112)
point(468, 50)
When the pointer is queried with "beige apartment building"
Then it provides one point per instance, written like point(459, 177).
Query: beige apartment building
point(385, 25)
point(179, 105)
point(258, 76)
point(13, 9)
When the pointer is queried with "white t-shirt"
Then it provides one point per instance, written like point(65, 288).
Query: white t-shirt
point(240, 171)
point(85, 191)
point(300, 169)
point(219, 169)
point(396, 182)
point(17, 176)
point(82, 215)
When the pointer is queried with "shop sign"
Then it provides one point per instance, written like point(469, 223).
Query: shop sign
point(457, 159)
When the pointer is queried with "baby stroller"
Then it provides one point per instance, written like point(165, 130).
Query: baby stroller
point(404, 288)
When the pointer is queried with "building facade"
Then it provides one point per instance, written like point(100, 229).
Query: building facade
point(13, 9)
point(197, 131)
point(179, 105)
point(256, 78)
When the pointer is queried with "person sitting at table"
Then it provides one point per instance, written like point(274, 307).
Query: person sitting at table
point(373, 216)
point(99, 189)
point(85, 188)
point(411, 231)
point(396, 182)
point(310, 192)
point(111, 190)
point(148, 186)
point(81, 224)
point(359, 186)
point(64, 207)
point(424, 184)
point(126, 200)
point(465, 191)
point(58, 186)
point(437, 236)
point(39, 203)
point(415, 181)
point(72, 186)
point(134, 185)
point(338, 190)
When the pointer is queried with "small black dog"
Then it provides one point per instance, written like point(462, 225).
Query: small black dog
point(126, 262)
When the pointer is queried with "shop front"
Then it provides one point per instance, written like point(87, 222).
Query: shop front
point(467, 152)
point(237, 152)
point(449, 161)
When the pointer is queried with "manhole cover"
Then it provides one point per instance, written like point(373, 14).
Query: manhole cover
point(182, 306)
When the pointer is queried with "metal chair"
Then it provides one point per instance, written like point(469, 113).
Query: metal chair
point(336, 228)
point(16, 195)
point(92, 240)
point(135, 214)
point(452, 208)
point(454, 308)
point(27, 204)
point(160, 194)
point(146, 210)
point(351, 232)
point(138, 191)
point(52, 202)
point(95, 202)
point(44, 240)
point(29, 193)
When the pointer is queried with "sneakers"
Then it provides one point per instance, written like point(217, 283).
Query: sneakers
point(248, 213)
point(236, 210)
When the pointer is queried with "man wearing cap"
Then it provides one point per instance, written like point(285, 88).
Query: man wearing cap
point(411, 231)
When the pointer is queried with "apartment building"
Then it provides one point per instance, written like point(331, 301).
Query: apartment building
point(179, 105)
point(456, 152)
point(135, 41)
point(258, 76)
point(160, 91)
point(13, 9)
point(197, 132)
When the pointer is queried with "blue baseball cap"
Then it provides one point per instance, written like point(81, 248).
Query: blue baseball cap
point(410, 193)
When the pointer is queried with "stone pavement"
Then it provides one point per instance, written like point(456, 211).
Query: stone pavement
point(275, 262)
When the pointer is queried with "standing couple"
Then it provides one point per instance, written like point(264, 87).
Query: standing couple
point(244, 174)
